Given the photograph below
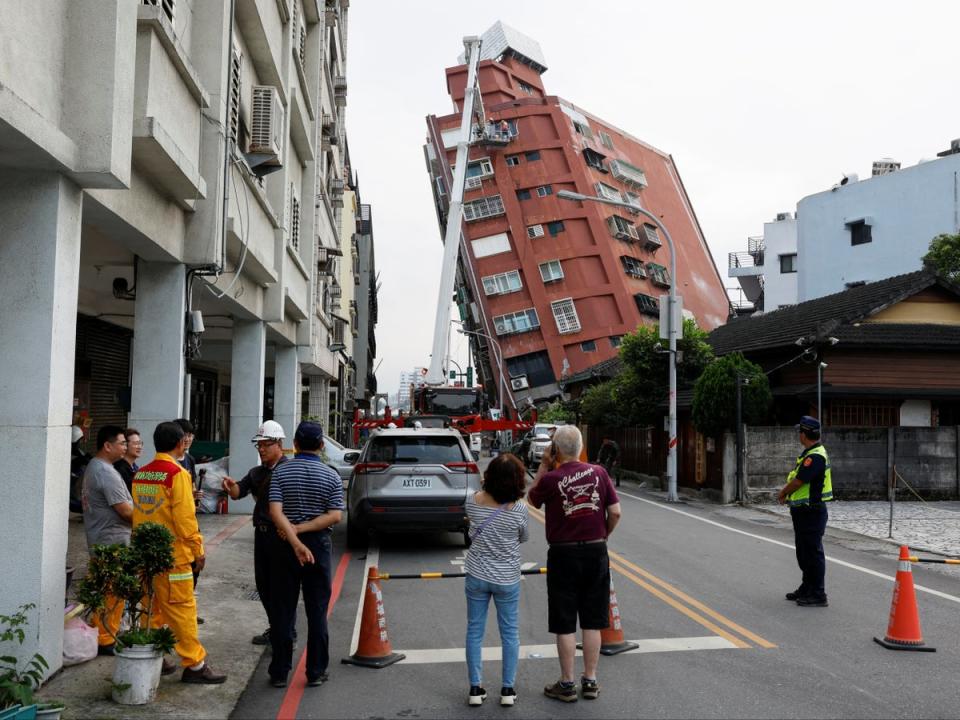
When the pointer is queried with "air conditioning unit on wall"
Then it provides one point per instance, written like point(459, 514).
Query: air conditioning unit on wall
point(519, 383)
point(266, 126)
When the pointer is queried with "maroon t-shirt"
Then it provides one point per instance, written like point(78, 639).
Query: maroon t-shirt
point(577, 496)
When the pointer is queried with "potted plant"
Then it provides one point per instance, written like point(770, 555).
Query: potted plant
point(18, 684)
point(125, 574)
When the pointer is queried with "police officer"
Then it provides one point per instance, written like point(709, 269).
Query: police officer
point(306, 501)
point(269, 441)
point(808, 489)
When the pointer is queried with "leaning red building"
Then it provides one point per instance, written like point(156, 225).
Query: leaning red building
point(558, 283)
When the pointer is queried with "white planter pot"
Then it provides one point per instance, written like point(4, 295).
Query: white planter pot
point(136, 675)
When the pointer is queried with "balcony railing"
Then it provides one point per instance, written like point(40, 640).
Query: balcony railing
point(744, 260)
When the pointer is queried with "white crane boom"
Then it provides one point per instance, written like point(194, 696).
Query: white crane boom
point(451, 239)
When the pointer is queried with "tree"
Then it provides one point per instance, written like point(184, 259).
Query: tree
point(943, 256)
point(558, 412)
point(644, 384)
point(715, 395)
point(599, 405)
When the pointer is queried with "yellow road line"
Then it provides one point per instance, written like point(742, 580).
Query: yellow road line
point(621, 565)
point(691, 601)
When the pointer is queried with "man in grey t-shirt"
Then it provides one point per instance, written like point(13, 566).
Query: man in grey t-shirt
point(107, 516)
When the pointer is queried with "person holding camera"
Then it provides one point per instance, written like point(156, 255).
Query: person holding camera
point(498, 524)
point(581, 510)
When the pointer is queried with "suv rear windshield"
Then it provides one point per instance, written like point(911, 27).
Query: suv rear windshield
point(411, 450)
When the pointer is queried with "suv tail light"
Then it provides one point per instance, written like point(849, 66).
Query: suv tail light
point(374, 467)
point(467, 467)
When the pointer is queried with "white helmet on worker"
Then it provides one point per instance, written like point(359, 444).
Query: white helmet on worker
point(270, 430)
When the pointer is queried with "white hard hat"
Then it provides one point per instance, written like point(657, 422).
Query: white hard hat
point(391, 426)
point(270, 430)
point(75, 434)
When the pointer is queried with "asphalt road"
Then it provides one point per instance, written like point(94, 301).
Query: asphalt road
point(700, 586)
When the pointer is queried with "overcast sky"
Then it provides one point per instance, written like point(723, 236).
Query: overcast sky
point(760, 104)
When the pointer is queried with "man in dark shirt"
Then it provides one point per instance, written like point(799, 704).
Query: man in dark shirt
point(306, 501)
point(127, 466)
point(269, 441)
point(582, 509)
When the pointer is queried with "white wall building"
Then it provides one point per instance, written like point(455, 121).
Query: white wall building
point(416, 377)
point(123, 125)
point(858, 231)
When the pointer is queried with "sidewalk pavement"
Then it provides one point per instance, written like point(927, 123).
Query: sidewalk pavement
point(232, 614)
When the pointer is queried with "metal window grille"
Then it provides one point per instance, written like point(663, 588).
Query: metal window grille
point(610, 193)
point(294, 220)
point(516, 322)
point(545, 190)
point(630, 174)
point(652, 235)
point(166, 5)
point(535, 231)
point(647, 305)
point(483, 208)
point(632, 266)
point(565, 314)
point(236, 65)
point(658, 275)
point(605, 140)
point(502, 283)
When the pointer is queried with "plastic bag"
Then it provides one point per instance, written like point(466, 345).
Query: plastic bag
point(79, 642)
point(212, 484)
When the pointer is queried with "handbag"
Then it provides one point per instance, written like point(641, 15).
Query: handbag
point(487, 522)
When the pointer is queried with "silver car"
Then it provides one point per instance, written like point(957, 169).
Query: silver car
point(412, 480)
point(340, 458)
point(539, 441)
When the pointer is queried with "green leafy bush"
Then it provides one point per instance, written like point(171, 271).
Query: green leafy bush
point(715, 395)
point(126, 573)
point(16, 684)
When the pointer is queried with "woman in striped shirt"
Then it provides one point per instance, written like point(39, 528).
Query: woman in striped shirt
point(498, 524)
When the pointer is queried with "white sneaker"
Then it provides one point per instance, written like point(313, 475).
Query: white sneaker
point(477, 695)
point(508, 696)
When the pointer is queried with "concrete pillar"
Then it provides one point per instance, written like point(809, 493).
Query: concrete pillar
point(286, 390)
point(157, 393)
point(39, 278)
point(246, 399)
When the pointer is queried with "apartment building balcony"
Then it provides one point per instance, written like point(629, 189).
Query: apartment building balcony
point(748, 268)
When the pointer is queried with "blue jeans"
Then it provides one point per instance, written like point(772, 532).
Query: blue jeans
point(507, 600)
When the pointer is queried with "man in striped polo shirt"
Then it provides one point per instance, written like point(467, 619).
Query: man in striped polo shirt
point(306, 501)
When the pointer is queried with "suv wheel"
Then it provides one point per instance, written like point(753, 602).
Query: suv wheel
point(356, 536)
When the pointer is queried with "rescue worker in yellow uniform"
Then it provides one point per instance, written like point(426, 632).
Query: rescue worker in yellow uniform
point(163, 493)
point(809, 488)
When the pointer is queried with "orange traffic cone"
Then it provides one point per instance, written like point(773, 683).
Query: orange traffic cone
point(903, 632)
point(611, 640)
point(373, 646)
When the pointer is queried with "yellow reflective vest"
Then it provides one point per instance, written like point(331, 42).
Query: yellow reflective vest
point(801, 496)
point(163, 493)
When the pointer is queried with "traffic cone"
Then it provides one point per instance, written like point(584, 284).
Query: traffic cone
point(903, 631)
point(611, 640)
point(373, 647)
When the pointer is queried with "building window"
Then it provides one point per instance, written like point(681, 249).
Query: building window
point(483, 208)
point(551, 271)
point(528, 89)
point(165, 5)
point(583, 129)
point(545, 190)
point(647, 305)
point(863, 413)
point(633, 198)
point(588, 346)
point(502, 284)
point(523, 194)
point(555, 228)
point(652, 236)
point(616, 341)
point(294, 220)
point(788, 263)
point(479, 168)
point(605, 191)
point(860, 233)
point(532, 155)
point(622, 229)
point(659, 275)
point(516, 322)
point(632, 266)
point(565, 315)
point(490, 245)
point(535, 231)
point(605, 140)
point(594, 160)
point(236, 64)
point(513, 160)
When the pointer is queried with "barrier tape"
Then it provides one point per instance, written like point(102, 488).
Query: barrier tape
point(947, 561)
point(439, 575)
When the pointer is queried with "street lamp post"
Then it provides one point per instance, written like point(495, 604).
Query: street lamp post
point(496, 345)
point(673, 331)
